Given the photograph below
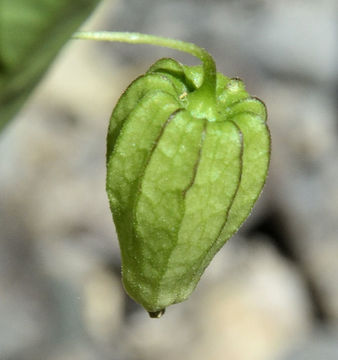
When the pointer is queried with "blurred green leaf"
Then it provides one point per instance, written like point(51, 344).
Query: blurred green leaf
point(31, 34)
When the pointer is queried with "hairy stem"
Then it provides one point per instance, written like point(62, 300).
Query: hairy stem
point(209, 67)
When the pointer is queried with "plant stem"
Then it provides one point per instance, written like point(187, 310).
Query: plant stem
point(209, 67)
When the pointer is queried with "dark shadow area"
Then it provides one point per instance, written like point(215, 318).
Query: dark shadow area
point(130, 306)
point(274, 225)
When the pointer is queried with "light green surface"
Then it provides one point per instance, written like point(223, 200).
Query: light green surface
point(181, 179)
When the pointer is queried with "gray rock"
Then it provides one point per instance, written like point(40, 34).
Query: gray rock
point(323, 344)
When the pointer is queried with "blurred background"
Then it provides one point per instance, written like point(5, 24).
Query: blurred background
point(272, 292)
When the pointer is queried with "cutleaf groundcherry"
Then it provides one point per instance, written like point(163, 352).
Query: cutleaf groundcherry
point(187, 156)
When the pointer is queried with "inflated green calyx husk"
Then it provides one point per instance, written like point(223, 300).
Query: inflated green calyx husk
point(187, 158)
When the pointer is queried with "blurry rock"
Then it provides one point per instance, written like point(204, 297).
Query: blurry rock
point(103, 310)
point(302, 180)
point(26, 315)
point(259, 309)
point(322, 345)
point(55, 173)
point(296, 38)
point(170, 337)
point(285, 38)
